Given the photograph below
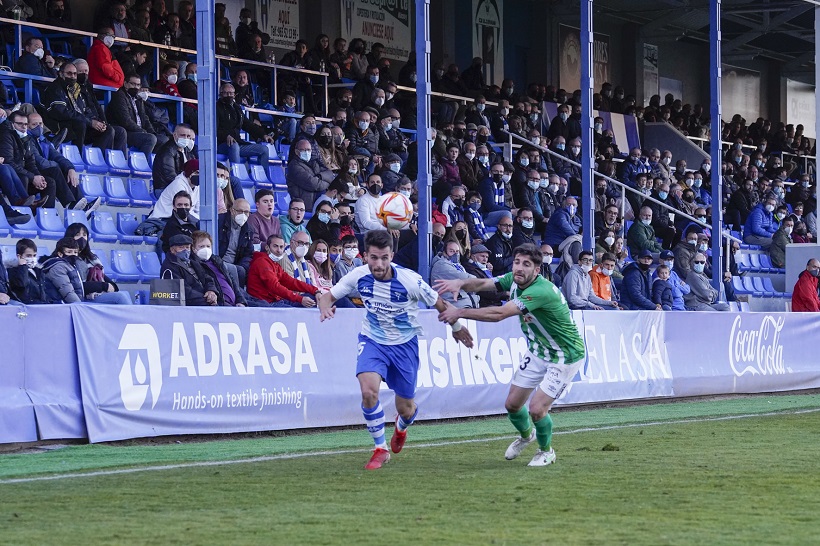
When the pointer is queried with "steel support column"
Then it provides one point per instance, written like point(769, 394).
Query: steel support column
point(207, 82)
point(587, 201)
point(716, 152)
point(423, 135)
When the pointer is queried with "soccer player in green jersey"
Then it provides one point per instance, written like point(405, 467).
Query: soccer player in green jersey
point(555, 350)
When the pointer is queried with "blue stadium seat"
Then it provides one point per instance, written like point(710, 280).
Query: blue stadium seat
point(247, 193)
point(140, 193)
point(756, 265)
point(75, 216)
point(737, 284)
point(29, 229)
point(126, 224)
point(92, 187)
point(282, 201)
point(767, 284)
point(743, 262)
point(51, 226)
point(240, 171)
point(105, 260)
point(276, 173)
point(117, 164)
point(284, 151)
point(757, 282)
point(273, 155)
point(139, 165)
point(748, 284)
point(5, 227)
point(115, 189)
point(766, 261)
point(123, 264)
point(72, 153)
point(259, 174)
point(148, 264)
point(95, 163)
point(222, 158)
point(9, 253)
point(151, 160)
point(104, 227)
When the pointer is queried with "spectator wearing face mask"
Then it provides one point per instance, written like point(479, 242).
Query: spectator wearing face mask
point(524, 228)
point(447, 265)
point(636, 293)
point(294, 262)
point(228, 292)
point(181, 221)
point(781, 238)
point(325, 223)
point(179, 263)
point(685, 251)
point(500, 246)
point(632, 167)
point(63, 281)
point(804, 294)
point(479, 266)
point(475, 222)
point(391, 174)
point(741, 204)
point(308, 129)
point(563, 223)
point(306, 178)
point(26, 281)
point(493, 202)
point(270, 286)
point(576, 285)
point(469, 168)
point(31, 61)
point(348, 261)
point(760, 225)
point(103, 68)
point(702, 297)
point(601, 276)
point(454, 206)
point(235, 238)
point(127, 111)
point(364, 88)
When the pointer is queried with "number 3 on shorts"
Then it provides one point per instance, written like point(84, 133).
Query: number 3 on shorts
point(522, 366)
point(361, 348)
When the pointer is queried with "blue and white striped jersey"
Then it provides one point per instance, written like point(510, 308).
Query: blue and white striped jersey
point(392, 306)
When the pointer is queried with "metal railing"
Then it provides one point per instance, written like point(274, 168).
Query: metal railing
point(700, 142)
point(624, 187)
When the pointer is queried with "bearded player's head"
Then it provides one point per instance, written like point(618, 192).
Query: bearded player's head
point(378, 252)
point(526, 264)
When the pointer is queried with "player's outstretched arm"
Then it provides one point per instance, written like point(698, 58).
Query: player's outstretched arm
point(459, 332)
point(454, 286)
point(326, 307)
point(484, 314)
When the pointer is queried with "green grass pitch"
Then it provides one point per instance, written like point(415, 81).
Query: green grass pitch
point(741, 471)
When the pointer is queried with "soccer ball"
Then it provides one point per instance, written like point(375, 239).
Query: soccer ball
point(395, 210)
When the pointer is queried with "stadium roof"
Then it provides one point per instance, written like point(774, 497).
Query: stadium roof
point(778, 30)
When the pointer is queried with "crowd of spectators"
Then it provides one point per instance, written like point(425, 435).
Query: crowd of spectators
point(484, 206)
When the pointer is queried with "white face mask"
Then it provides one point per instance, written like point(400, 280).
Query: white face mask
point(666, 160)
point(300, 251)
point(693, 242)
point(788, 230)
point(698, 268)
point(607, 272)
point(646, 221)
point(223, 183)
point(240, 219)
point(204, 253)
point(108, 41)
point(609, 240)
point(470, 156)
point(274, 257)
point(505, 178)
point(143, 95)
point(172, 79)
point(587, 268)
point(304, 155)
point(351, 253)
point(320, 257)
point(39, 53)
point(185, 143)
point(31, 262)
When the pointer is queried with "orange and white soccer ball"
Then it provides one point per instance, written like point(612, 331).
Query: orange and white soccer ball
point(395, 210)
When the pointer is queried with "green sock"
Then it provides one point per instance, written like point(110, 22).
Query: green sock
point(521, 421)
point(543, 432)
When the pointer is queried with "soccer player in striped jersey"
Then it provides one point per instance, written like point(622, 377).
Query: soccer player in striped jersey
point(555, 349)
point(388, 342)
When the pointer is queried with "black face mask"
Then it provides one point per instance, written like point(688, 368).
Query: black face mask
point(71, 259)
point(324, 140)
point(460, 234)
point(344, 220)
point(600, 191)
point(458, 202)
point(133, 92)
point(436, 241)
point(82, 78)
point(81, 243)
point(375, 189)
point(458, 133)
point(195, 179)
point(497, 178)
point(227, 100)
point(644, 267)
point(481, 139)
point(182, 214)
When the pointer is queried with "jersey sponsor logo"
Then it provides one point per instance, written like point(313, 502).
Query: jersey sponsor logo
point(757, 350)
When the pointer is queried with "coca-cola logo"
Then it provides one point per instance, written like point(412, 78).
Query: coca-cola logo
point(757, 350)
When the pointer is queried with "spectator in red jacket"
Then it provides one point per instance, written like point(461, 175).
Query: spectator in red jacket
point(167, 84)
point(267, 281)
point(804, 295)
point(103, 68)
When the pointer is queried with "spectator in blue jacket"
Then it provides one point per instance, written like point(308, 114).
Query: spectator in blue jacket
point(633, 167)
point(563, 223)
point(493, 206)
point(31, 62)
point(635, 291)
point(679, 288)
point(662, 288)
point(760, 225)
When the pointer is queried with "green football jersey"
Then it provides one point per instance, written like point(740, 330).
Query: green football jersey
point(545, 320)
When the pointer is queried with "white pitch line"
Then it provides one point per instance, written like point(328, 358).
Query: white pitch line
point(286, 456)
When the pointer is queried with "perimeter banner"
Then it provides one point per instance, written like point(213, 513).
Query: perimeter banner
point(17, 423)
point(280, 19)
point(200, 371)
point(569, 51)
point(384, 21)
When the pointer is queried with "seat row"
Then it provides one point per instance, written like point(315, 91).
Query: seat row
point(756, 263)
point(102, 226)
point(759, 287)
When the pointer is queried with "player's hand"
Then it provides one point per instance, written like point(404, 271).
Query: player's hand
point(327, 314)
point(449, 315)
point(464, 337)
point(308, 302)
point(452, 286)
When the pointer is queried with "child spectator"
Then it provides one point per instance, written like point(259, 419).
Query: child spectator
point(27, 284)
point(662, 290)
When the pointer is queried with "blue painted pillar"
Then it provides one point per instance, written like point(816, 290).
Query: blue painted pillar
point(207, 82)
point(587, 200)
point(717, 159)
point(423, 135)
